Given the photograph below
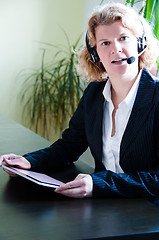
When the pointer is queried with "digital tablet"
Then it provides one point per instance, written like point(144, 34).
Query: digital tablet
point(38, 178)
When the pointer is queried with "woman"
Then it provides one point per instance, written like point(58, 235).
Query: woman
point(118, 115)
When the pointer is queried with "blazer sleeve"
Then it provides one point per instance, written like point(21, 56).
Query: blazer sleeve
point(132, 184)
point(66, 149)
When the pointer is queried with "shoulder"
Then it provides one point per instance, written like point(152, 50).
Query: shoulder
point(153, 83)
point(93, 96)
point(94, 88)
point(147, 75)
point(148, 82)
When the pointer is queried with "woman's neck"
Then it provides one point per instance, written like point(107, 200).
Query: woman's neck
point(120, 89)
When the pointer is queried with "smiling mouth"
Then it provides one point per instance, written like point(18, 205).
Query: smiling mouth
point(119, 60)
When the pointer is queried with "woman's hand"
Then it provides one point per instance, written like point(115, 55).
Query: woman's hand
point(14, 160)
point(80, 187)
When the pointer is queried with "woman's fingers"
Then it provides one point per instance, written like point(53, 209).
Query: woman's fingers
point(10, 173)
point(14, 160)
point(81, 187)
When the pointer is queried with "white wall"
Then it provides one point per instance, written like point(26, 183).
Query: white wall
point(16, 47)
point(23, 23)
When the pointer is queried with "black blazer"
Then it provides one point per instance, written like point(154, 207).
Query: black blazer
point(139, 150)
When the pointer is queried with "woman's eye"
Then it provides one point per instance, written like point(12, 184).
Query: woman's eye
point(105, 43)
point(123, 38)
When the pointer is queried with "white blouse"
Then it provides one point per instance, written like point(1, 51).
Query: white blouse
point(111, 144)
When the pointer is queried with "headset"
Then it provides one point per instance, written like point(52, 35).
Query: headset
point(141, 42)
point(92, 51)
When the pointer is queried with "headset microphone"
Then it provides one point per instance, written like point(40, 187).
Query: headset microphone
point(130, 60)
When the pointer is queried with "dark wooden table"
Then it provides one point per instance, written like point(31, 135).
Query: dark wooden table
point(28, 211)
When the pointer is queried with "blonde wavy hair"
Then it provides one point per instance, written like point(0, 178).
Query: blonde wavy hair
point(130, 19)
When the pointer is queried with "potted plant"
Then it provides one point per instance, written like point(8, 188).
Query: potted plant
point(51, 94)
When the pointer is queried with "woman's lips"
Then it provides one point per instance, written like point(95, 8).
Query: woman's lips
point(119, 60)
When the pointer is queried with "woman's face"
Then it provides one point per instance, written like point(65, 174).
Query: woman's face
point(114, 44)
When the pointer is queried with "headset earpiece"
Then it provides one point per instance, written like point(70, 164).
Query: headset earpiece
point(92, 51)
point(141, 43)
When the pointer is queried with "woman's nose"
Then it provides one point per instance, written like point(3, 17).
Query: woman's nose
point(116, 47)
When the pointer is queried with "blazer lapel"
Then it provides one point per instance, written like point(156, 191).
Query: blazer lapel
point(141, 108)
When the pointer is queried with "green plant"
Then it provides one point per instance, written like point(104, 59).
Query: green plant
point(51, 94)
point(150, 11)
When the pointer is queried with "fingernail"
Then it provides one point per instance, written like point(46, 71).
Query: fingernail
point(57, 189)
